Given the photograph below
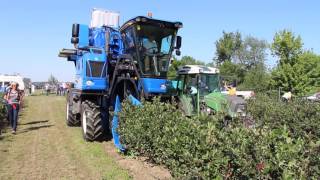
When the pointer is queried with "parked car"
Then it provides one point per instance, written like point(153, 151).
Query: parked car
point(244, 94)
point(314, 98)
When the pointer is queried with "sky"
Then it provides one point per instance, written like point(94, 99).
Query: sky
point(33, 31)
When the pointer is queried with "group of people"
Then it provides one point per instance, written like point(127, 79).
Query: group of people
point(13, 98)
point(60, 89)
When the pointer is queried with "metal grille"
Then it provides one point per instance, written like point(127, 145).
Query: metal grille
point(97, 69)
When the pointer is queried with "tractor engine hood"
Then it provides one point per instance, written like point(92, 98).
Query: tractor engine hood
point(216, 101)
point(231, 105)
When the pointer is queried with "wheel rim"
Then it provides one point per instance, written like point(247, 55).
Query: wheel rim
point(67, 111)
point(84, 122)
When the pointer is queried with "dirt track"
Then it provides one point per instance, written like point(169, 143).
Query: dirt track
point(45, 148)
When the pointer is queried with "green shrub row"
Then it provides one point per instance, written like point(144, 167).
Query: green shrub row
point(2, 113)
point(301, 117)
point(203, 148)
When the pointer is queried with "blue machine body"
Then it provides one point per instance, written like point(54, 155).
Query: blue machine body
point(154, 86)
point(91, 68)
point(92, 63)
point(83, 36)
point(99, 48)
point(92, 60)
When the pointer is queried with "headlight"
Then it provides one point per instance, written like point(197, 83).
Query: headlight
point(163, 86)
point(89, 83)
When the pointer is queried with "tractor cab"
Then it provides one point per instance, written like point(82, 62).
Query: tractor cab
point(195, 84)
point(199, 92)
point(150, 42)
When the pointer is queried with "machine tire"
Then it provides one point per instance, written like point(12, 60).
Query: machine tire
point(71, 118)
point(91, 120)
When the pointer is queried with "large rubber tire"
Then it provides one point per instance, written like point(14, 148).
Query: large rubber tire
point(71, 119)
point(91, 120)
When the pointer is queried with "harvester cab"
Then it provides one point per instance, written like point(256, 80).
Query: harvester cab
point(151, 42)
point(199, 92)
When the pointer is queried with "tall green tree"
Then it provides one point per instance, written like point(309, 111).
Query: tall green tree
point(297, 70)
point(254, 52)
point(287, 47)
point(227, 47)
point(52, 80)
point(232, 72)
point(236, 57)
point(302, 77)
point(257, 79)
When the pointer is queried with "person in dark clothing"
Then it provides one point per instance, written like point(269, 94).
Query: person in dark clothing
point(13, 98)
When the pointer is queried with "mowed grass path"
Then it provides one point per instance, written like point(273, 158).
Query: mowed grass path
point(45, 148)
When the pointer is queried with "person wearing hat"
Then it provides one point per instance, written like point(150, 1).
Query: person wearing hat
point(13, 98)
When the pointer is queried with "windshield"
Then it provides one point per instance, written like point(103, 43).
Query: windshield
point(154, 48)
point(152, 44)
point(209, 83)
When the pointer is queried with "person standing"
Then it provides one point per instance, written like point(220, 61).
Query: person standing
point(58, 89)
point(64, 88)
point(47, 88)
point(287, 96)
point(13, 98)
point(232, 91)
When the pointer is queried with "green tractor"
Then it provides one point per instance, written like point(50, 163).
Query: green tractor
point(199, 92)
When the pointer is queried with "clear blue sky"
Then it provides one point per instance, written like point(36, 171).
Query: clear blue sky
point(32, 32)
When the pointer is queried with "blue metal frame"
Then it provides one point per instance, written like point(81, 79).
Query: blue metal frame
point(83, 36)
point(91, 47)
point(115, 121)
point(152, 85)
point(96, 83)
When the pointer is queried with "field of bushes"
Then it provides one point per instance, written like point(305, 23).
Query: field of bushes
point(283, 144)
point(2, 113)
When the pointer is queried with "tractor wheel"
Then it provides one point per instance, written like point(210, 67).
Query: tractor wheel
point(91, 120)
point(71, 118)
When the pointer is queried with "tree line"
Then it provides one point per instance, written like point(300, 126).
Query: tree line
point(244, 59)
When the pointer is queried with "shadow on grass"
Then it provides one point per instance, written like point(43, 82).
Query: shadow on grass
point(33, 128)
point(35, 122)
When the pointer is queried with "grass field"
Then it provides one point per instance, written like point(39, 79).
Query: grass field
point(45, 148)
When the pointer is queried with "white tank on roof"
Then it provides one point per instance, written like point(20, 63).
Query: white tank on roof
point(100, 17)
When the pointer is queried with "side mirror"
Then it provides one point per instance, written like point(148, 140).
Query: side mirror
point(75, 33)
point(178, 42)
point(75, 30)
point(178, 52)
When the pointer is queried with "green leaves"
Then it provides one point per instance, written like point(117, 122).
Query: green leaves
point(297, 71)
point(284, 143)
point(243, 60)
point(287, 47)
point(2, 109)
point(302, 77)
point(228, 46)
